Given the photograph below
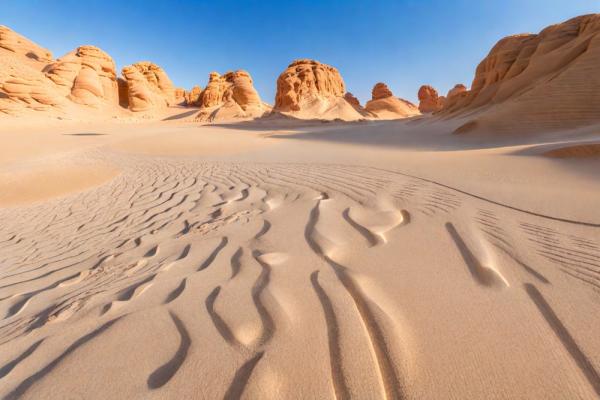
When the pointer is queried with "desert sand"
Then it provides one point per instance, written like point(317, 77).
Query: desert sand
point(318, 250)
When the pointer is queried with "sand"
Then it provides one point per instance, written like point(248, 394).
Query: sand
point(283, 259)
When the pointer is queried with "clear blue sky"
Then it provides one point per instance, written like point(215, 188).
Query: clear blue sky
point(405, 43)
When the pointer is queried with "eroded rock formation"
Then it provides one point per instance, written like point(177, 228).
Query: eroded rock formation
point(384, 105)
point(229, 96)
point(148, 87)
point(20, 45)
point(539, 81)
point(310, 89)
point(429, 100)
point(192, 97)
point(86, 76)
point(179, 94)
point(305, 81)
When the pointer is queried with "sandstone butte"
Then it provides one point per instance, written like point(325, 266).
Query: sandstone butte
point(429, 100)
point(384, 105)
point(310, 89)
point(541, 81)
point(228, 96)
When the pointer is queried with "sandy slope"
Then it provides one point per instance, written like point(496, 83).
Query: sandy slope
point(372, 260)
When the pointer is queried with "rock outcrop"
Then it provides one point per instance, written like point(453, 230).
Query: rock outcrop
point(384, 105)
point(429, 100)
point(310, 89)
point(229, 96)
point(23, 85)
point(539, 81)
point(352, 100)
point(307, 81)
point(86, 76)
point(457, 90)
point(192, 97)
point(179, 94)
point(148, 87)
point(20, 45)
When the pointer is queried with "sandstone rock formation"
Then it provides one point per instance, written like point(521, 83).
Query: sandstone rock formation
point(20, 45)
point(23, 85)
point(456, 90)
point(192, 97)
point(31, 91)
point(148, 87)
point(352, 100)
point(310, 89)
point(179, 94)
point(429, 100)
point(539, 81)
point(385, 106)
point(86, 76)
point(230, 96)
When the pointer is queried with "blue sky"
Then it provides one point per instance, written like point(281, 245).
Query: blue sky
point(405, 43)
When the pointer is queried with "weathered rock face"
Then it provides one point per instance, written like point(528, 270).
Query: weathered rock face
point(307, 81)
point(456, 90)
point(32, 91)
point(148, 87)
point(192, 97)
point(86, 76)
point(539, 81)
point(352, 100)
point(231, 95)
point(23, 85)
point(179, 95)
point(233, 86)
point(380, 91)
point(20, 45)
point(385, 106)
point(429, 100)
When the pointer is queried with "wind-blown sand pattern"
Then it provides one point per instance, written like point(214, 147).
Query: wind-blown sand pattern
point(285, 280)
